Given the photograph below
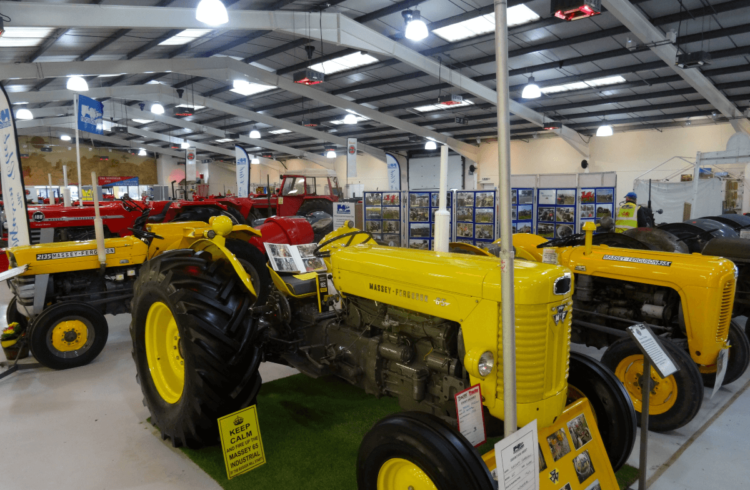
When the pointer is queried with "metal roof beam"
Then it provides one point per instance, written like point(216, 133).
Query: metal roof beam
point(637, 22)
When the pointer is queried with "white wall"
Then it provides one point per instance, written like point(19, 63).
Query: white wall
point(629, 154)
point(424, 173)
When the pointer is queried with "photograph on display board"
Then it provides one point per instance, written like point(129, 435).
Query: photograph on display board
point(391, 199)
point(564, 230)
point(391, 226)
point(486, 215)
point(583, 466)
point(373, 213)
point(513, 196)
point(525, 196)
point(483, 232)
point(485, 199)
point(461, 240)
point(279, 250)
point(546, 214)
point(513, 214)
point(523, 227)
point(526, 212)
point(465, 230)
point(542, 462)
point(419, 200)
point(605, 195)
point(372, 199)
point(391, 213)
point(588, 211)
point(435, 201)
point(547, 197)
point(419, 230)
point(314, 264)
point(546, 231)
point(558, 444)
point(603, 210)
point(465, 199)
point(377, 236)
point(566, 215)
point(594, 486)
point(392, 240)
point(419, 244)
point(419, 214)
point(513, 228)
point(566, 197)
point(374, 226)
point(587, 196)
point(579, 430)
point(465, 214)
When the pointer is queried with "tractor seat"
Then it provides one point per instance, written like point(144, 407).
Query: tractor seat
point(300, 284)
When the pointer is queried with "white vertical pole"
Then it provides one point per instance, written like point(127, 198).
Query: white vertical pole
point(49, 189)
point(696, 177)
point(98, 225)
point(442, 216)
point(78, 152)
point(506, 234)
point(65, 176)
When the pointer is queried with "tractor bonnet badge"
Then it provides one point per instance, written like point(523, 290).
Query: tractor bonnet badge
point(38, 216)
point(238, 420)
point(560, 315)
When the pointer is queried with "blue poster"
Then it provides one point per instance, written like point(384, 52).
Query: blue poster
point(90, 113)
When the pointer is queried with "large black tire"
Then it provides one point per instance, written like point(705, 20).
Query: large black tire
point(739, 358)
point(312, 205)
point(615, 415)
point(625, 359)
point(13, 315)
point(443, 454)
point(255, 265)
point(75, 321)
point(217, 342)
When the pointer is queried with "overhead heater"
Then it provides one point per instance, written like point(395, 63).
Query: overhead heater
point(309, 77)
point(450, 99)
point(575, 9)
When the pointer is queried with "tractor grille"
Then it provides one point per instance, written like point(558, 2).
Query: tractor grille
point(36, 235)
point(725, 310)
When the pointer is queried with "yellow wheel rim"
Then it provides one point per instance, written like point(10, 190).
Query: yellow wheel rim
point(70, 335)
point(663, 390)
point(163, 352)
point(400, 474)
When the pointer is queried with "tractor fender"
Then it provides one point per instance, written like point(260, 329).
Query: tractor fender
point(290, 230)
point(218, 251)
point(526, 246)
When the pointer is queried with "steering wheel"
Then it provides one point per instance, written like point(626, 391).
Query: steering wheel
point(562, 241)
point(351, 234)
point(145, 235)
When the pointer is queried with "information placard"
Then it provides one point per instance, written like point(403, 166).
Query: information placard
point(241, 443)
point(517, 458)
point(651, 347)
point(470, 415)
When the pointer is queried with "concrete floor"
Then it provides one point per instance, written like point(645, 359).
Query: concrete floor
point(86, 429)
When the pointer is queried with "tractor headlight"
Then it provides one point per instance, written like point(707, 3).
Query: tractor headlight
point(486, 363)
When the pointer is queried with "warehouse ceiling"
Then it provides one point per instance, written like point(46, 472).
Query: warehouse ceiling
point(590, 71)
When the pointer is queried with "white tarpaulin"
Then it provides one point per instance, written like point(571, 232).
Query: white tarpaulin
point(672, 196)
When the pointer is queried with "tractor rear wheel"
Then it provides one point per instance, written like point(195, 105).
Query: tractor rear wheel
point(613, 409)
point(675, 400)
point(419, 451)
point(739, 358)
point(68, 335)
point(195, 345)
point(312, 205)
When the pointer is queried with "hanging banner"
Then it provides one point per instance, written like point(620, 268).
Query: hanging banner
point(190, 165)
point(394, 172)
point(351, 157)
point(90, 115)
point(11, 173)
point(243, 171)
point(116, 181)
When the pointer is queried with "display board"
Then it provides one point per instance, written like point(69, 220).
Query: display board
point(383, 216)
point(420, 220)
point(476, 217)
point(556, 212)
point(595, 203)
point(522, 213)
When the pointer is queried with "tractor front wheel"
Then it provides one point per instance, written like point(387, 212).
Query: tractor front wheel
point(12, 315)
point(739, 358)
point(675, 400)
point(419, 451)
point(68, 335)
point(195, 345)
point(613, 409)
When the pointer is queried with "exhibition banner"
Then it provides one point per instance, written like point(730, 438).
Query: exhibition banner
point(191, 170)
point(351, 157)
point(243, 171)
point(116, 181)
point(11, 173)
point(394, 173)
point(90, 115)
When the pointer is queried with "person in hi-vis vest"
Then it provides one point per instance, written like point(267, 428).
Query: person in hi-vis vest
point(630, 215)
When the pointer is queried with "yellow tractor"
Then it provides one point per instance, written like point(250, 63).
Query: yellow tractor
point(686, 299)
point(417, 325)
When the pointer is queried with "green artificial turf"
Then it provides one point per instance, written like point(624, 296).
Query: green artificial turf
point(311, 431)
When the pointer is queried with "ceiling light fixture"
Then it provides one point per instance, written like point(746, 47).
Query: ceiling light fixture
point(65, 137)
point(77, 84)
point(24, 114)
point(604, 130)
point(157, 108)
point(531, 90)
point(212, 12)
point(185, 145)
point(430, 145)
point(350, 119)
point(142, 153)
point(416, 29)
point(255, 161)
point(255, 134)
point(330, 153)
point(243, 87)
